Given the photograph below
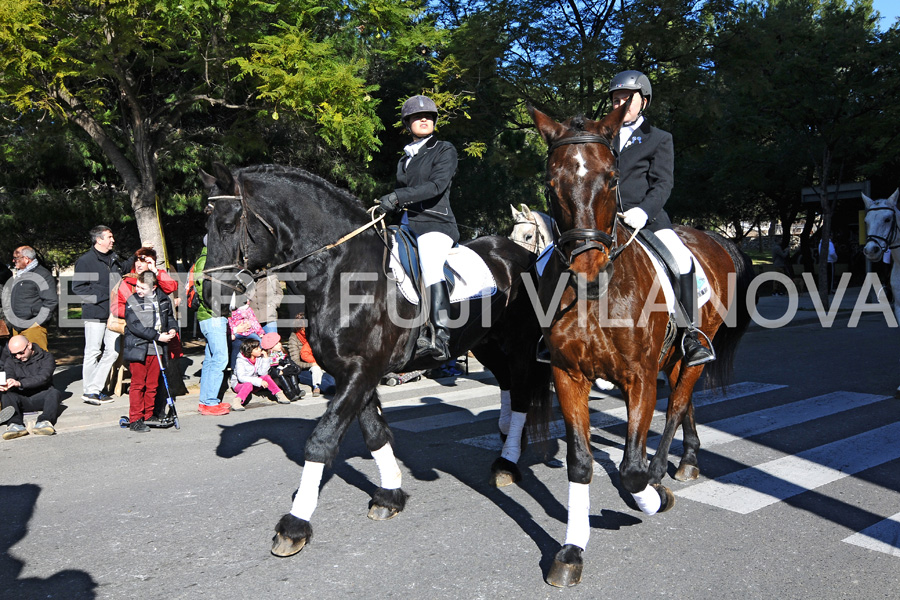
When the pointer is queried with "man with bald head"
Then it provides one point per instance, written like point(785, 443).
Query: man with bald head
point(26, 385)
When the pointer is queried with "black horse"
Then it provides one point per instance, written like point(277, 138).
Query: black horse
point(271, 218)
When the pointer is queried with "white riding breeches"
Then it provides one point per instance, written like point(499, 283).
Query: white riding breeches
point(433, 249)
point(677, 248)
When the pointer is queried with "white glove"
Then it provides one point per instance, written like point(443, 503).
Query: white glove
point(635, 218)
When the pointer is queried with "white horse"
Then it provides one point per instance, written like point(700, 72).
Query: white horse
point(532, 230)
point(883, 233)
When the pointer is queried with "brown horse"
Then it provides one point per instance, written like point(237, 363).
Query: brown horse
point(607, 317)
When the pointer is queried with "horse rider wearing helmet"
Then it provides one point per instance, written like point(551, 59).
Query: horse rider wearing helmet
point(424, 176)
point(646, 175)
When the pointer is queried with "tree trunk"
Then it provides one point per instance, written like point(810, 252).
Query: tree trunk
point(143, 202)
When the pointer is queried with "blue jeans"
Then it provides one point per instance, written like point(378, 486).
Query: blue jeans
point(215, 330)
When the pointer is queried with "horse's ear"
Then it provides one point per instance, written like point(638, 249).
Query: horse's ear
point(515, 211)
point(221, 180)
point(867, 201)
point(612, 123)
point(549, 129)
point(526, 211)
point(893, 199)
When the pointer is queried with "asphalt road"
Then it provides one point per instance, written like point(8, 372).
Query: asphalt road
point(799, 484)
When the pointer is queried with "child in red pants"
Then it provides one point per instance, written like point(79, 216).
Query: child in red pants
point(251, 374)
point(149, 324)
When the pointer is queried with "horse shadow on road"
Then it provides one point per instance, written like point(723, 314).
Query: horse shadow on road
point(18, 508)
point(426, 455)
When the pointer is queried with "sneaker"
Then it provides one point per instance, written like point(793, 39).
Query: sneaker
point(138, 426)
point(280, 398)
point(238, 405)
point(43, 428)
point(13, 431)
point(316, 391)
point(215, 410)
point(6, 414)
point(104, 398)
point(91, 399)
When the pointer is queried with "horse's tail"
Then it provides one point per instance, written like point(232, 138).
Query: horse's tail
point(540, 408)
point(719, 372)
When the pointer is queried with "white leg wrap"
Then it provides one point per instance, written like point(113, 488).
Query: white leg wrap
point(308, 494)
point(505, 412)
point(604, 385)
point(512, 448)
point(578, 529)
point(648, 500)
point(388, 467)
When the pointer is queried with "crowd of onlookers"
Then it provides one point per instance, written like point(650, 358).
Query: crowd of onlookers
point(128, 314)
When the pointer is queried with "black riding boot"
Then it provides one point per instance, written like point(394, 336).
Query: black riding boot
point(293, 387)
point(694, 352)
point(437, 345)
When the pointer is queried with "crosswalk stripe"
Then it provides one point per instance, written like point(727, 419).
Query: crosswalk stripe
point(618, 415)
point(883, 536)
point(755, 423)
point(756, 487)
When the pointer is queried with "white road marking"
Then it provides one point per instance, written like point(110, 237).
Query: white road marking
point(756, 487)
point(883, 536)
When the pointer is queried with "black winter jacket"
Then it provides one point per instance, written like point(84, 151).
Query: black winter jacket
point(423, 188)
point(91, 283)
point(646, 174)
point(35, 374)
point(29, 293)
point(140, 330)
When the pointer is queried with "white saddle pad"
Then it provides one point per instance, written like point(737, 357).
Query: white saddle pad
point(704, 291)
point(473, 277)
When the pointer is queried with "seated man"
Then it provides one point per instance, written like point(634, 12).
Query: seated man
point(28, 387)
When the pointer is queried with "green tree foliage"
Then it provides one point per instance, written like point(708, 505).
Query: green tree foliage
point(149, 81)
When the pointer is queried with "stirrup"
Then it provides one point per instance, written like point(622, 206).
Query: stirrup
point(697, 354)
point(542, 352)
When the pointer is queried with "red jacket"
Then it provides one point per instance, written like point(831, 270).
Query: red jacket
point(126, 289)
point(305, 352)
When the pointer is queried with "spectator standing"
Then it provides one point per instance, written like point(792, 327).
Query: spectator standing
point(28, 386)
point(832, 260)
point(215, 359)
point(265, 297)
point(96, 272)
point(149, 322)
point(32, 297)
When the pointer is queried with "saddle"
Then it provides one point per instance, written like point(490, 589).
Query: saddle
point(407, 252)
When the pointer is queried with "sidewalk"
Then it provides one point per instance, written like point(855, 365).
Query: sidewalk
point(77, 415)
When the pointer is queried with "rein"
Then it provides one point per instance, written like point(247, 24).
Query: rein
point(885, 243)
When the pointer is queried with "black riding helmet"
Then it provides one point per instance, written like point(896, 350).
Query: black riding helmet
point(418, 104)
point(634, 81)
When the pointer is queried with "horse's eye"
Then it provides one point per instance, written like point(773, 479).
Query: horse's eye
point(528, 237)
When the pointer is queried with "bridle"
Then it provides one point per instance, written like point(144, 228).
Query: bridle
point(241, 261)
point(540, 240)
point(585, 239)
point(885, 242)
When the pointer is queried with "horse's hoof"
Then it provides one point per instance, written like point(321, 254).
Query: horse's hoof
point(291, 534)
point(504, 472)
point(284, 547)
point(382, 513)
point(666, 496)
point(567, 567)
point(687, 473)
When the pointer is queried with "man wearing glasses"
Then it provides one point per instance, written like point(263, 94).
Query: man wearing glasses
point(30, 297)
point(26, 385)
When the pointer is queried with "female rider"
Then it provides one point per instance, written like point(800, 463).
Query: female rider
point(424, 176)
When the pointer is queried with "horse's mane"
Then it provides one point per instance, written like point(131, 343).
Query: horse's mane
point(297, 175)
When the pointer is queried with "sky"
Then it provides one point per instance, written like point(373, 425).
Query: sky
point(889, 10)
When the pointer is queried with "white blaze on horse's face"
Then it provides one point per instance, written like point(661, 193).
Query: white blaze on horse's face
point(582, 169)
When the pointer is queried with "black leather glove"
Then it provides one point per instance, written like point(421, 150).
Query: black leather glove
point(389, 203)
